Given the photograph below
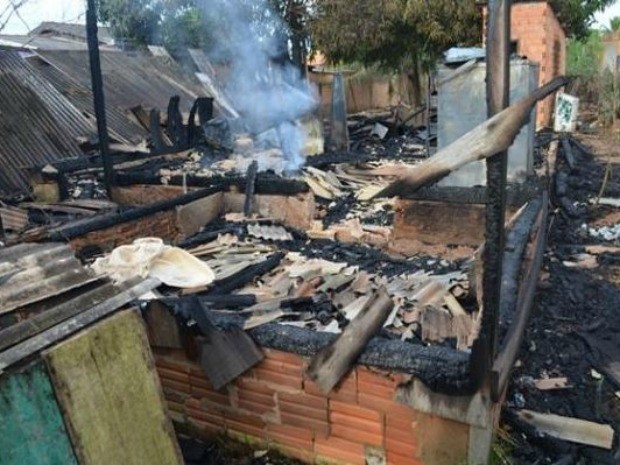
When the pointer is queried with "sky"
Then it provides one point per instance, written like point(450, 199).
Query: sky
point(36, 11)
point(602, 19)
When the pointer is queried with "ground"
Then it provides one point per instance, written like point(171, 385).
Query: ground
point(578, 301)
point(225, 451)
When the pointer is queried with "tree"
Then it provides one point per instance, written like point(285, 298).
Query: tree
point(614, 24)
point(197, 23)
point(577, 16)
point(583, 57)
point(136, 22)
point(395, 34)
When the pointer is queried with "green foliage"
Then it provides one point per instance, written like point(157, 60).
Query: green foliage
point(194, 23)
point(136, 22)
point(614, 24)
point(584, 56)
point(577, 16)
point(395, 34)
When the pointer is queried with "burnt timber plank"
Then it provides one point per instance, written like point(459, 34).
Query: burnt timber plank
point(110, 396)
point(332, 362)
point(502, 366)
point(32, 431)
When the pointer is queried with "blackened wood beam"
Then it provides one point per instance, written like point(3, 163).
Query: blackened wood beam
point(238, 280)
point(250, 189)
point(498, 99)
point(528, 281)
point(98, 95)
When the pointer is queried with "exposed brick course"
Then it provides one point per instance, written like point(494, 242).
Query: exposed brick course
point(541, 39)
point(276, 406)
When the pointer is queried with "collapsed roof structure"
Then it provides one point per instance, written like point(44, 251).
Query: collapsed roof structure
point(313, 312)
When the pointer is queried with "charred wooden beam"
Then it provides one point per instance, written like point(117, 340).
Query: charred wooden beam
point(265, 184)
point(250, 189)
point(528, 282)
point(227, 285)
point(498, 99)
point(98, 95)
point(567, 150)
point(175, 127)
point(98, 223)
point(335, 360)
point(490, 138)
point(516, 243)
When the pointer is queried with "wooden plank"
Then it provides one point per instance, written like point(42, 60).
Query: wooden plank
point(329, 366)
point(570, 429)
point(110, 395)
point(72, 325)
point(163, 328)
point(32, 430)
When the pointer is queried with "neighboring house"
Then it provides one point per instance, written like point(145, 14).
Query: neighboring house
point(75, 32)
point(538, 35)
point(57, 36)
point(611, 51)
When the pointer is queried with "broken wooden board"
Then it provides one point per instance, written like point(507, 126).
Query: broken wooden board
point(32, 430)
point(163, 328)
point(109, 393)
point(329, 366)
point(570, 429)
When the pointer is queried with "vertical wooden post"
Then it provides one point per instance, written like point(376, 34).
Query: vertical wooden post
point(498, 98)
point(98, 96)
point(339, 139)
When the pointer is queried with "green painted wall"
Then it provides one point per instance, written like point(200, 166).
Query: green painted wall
point(32, 431)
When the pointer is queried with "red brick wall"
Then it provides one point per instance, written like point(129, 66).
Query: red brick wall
point(542, 40)
point(274, 404)
point(162, 224)
point(140, 194)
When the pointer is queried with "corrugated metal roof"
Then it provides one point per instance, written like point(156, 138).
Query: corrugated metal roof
point(130, 80)
point(38, 125)
point(31, 273)
point(44, 43)
point(119, 125)
point(77, 31)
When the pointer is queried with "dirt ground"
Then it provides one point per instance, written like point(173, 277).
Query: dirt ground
point(578, 302)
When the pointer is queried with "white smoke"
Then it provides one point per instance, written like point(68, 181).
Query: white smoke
point(263, 84)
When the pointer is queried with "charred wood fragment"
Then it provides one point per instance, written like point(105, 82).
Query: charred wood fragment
point(250, 189)
point(245, 276)
point(567, 150)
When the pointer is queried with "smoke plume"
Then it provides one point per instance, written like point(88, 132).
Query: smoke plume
point(251, 40)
